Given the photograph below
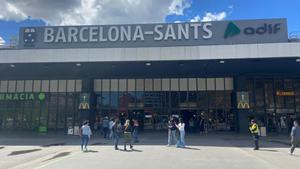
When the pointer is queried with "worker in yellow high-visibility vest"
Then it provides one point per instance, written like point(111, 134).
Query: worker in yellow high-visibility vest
point(254, 129)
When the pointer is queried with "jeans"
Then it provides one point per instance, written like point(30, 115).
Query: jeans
point(116, 138)
point(127, 139)
point(105, 132)
point(255, 139)
point(172, 137)
point(295, 143)
point(84, 141)
point(181, 141)
point(135, 134)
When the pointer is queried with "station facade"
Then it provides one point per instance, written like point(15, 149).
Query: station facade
point(223, 73)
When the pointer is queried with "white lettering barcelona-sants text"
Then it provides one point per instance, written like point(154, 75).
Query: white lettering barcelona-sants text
point(160, 32)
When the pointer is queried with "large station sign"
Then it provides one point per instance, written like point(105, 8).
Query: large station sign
point(155, 35)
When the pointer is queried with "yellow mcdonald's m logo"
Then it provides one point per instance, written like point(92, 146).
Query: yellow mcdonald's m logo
point(243, 105)
point(84, 106)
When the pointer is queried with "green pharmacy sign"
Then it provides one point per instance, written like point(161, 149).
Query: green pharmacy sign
point(22, 96)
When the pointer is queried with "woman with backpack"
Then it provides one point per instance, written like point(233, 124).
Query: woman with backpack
point(127, 134)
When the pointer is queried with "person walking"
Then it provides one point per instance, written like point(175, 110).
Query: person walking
point(295, 136)
point(180, 126)
point(135, 130)
point(110, 125)
point(85, 134)
point(172, 132)
point(254, 129)
point(105, 127)
point(127, 134)
point(117, 132)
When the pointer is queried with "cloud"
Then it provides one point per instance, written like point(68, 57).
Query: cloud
point(2, 41)
point(178, 6)
point(214, 16)
point(210, 17)
point(197, 18)
point(86, 12)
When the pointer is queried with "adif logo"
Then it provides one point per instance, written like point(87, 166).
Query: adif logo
point(265, 28)
point(29, 36)
point(231, 30)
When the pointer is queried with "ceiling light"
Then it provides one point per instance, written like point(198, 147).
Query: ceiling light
point(221, 61)
point(148, 64)
point(12, 65)
point(298, 60)
point(78, 64)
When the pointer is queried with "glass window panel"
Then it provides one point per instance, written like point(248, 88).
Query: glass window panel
point(211, 99)
point(165, 84)
point(45, 85)
point(220, 84)
point(28, 85)
point(183, 84)
point(148, 85)
point(279, 99)
point(288, 86)
point(157, 84)
point(114, 99)
point(297, 93)
point(105, 85)
point(139, 84)
point(174, 85)
point(269, 96)
point(3, 86)
point(259, 93)
point(201, 84)
point(131, 84)
point(78, 85)
point(220, 99)
point(228, 83)
point(11, 86)
point(97, 85)
point(192, 84)
point(53, 85)
point(174, 99)
point(62, 84)
point(71, 86)
point(122, 85)
point(20, 86)
point(114, 85)
point(210, 82)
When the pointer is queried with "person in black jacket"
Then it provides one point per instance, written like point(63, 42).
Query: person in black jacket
point(172, 132)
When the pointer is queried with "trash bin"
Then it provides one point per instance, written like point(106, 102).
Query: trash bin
point(263, 131)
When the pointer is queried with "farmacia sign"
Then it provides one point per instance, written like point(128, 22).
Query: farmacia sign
point(22, 96)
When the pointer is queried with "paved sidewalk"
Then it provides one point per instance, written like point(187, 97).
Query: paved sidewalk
point(224, 151)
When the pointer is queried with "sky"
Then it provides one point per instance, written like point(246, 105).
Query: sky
point(21, 13)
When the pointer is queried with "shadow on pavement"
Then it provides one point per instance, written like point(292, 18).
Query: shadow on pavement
point(1, 148)
point(131, 150)
point(91, 151)
point(23, 152)
point(275, 151)
point(63, 154)
point(191, 148)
